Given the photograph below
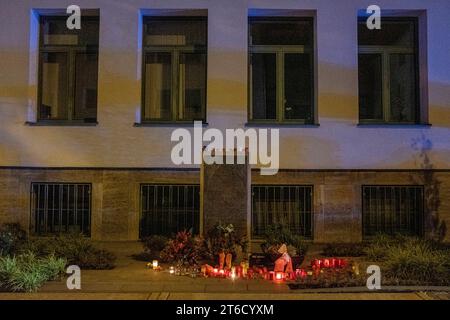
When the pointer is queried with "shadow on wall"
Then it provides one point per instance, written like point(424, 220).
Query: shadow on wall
point(437, 226)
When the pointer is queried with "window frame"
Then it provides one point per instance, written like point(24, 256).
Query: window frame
point(280, 51)
point(71, 52)
point(33, 224)
point(307, 188)
point(385, 51)
point(171, 186)
point(175, 52)
point(421, 211)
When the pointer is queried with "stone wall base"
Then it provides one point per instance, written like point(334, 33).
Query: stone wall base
point(115, 211)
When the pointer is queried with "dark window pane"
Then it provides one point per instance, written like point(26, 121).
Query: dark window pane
point(55, 32)
point(158, 83)
point(86, 86)
point(264, 93)
point(54, 86)
point(192, 82)
point(281, 32)
point(169, 209)
point(392, 33)
point(370, 87)
point(298, 86)
point(289, 206)
point(175, 33)
point(55, 211)
point(393, 210)
point(403, 87)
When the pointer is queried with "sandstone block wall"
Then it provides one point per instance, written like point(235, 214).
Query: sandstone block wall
point(115, 209)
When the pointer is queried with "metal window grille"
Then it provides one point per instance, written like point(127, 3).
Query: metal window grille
point(393, 210)
point(287, 205)
point(61, 208)
point(167, 209)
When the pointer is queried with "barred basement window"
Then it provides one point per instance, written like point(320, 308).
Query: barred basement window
point(174, 69)
point(68, 70)
point(60, 208)
point(287, 205)
point(393, 210)
point(168, 209)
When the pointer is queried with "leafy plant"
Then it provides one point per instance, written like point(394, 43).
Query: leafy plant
point(417, 260)
point(278, 234)
point(184, 249)
point(11, 236)
point(27, 280)
point(27, 272)
point(53, 267)
point(223, 238)
point(75, 248)
point(301, 246)
point(378, 247)
point(344, 250)
point(153, 245)
point(411, 260)
point(96, 260)
point(8, 266)
point(330, 278)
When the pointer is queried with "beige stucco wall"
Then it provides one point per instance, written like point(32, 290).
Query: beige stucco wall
point(115, 142)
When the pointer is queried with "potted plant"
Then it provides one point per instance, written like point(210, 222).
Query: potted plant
point(277, 235)
point(224, 243)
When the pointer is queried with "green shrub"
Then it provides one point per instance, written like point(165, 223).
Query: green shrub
point(53, 267)
point(184, 249)
point(224, 238)
point(344, 250)
point(417, 261)
point(301, 246)
point(96, 260)
point(278, 234)
point(331, 278)
point(379, 245)
point(75, 248)
point(411, 260)
point(11, 236)
point(27, 280)
point(27, 272)
point(8, 266)
point(153, 245)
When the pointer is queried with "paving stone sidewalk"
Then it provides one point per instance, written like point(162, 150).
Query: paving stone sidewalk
point(132, 280)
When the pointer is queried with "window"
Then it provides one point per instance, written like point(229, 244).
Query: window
point(393, 210)
point(168, 209)
point(287, 205)
point(60, 208)
point(68, 70)
point(388, 72)
point(174, 69)
point(281, 70)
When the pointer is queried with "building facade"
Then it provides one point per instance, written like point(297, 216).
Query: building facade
point(363, 116)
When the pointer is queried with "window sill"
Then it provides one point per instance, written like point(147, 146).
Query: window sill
point(395, 125)
point(58, 123)
point(281, 125)
point(189, 124)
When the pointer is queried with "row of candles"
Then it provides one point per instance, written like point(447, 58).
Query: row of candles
point(235, 273)
point(243, 271)
point(329, 263)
